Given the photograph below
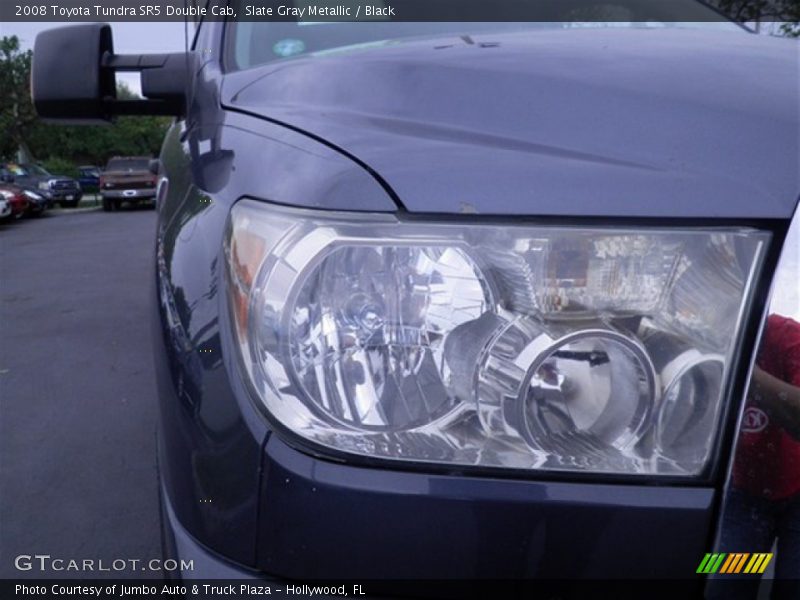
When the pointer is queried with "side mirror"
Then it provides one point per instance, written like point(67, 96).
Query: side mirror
point(74, 76)
point(154, 166)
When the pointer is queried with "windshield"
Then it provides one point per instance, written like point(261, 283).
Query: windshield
point(128, 164)
point(35, 170)
point(252, 43)
point(15, 170)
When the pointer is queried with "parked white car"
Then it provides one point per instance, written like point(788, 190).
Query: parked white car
point(5, 208)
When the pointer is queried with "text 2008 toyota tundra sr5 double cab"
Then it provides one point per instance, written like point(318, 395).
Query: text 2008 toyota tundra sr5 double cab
point(459, 300)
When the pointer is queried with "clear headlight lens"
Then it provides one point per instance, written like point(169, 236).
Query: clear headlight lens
point(528, 347)
point(366, 329)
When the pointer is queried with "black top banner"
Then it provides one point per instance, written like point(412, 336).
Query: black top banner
point(314, 11)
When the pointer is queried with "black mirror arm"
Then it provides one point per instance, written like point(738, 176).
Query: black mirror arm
point(165, 79)
point(134, 62)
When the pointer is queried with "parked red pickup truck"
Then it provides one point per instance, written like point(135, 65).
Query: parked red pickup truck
point(127, 179)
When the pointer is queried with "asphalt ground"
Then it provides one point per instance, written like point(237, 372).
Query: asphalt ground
point(77, 391)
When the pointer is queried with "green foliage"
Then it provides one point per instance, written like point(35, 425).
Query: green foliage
point(60, 166)
point(95, 144)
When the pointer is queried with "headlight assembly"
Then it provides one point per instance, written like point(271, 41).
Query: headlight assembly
point(530, 347)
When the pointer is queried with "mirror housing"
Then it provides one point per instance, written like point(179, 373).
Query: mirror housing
point(67, 77)
point(74, 76)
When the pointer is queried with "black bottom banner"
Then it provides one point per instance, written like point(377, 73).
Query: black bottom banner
point(107, 589)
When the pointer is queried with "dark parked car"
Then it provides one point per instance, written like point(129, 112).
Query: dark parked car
point(456, 300)
point(127, 179)
point(37, 203)
point(89, 177)
point(55, 188)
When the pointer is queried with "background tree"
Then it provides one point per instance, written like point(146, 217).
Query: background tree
point(785, 12)
point(16, 111)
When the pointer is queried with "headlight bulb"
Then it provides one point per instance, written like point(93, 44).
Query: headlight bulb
point(592, 391)
point(690, 379)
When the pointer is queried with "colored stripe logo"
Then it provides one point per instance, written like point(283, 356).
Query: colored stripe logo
point(735, 562)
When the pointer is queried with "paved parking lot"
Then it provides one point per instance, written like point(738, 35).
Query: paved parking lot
point(77, 395)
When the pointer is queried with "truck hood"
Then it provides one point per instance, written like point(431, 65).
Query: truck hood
point(580, 122)
point(127, 175)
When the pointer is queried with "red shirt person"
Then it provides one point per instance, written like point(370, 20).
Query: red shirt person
point(767, 461)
